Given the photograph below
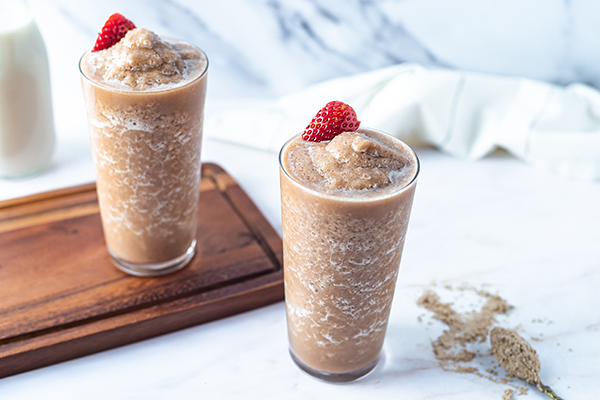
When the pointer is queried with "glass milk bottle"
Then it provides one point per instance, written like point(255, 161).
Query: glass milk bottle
point(26, 121)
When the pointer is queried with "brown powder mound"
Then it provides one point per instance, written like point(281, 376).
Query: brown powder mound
point(471, 327)
point(515, 354)
point(465, 328)
point(510, 349)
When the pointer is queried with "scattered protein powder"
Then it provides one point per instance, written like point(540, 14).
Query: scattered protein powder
point(458, 347)
point(463, 328)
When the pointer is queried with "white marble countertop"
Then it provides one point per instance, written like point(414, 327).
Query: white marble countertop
point(531, 237)
point(528, 236)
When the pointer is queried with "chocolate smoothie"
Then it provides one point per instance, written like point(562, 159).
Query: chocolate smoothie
point(145, 100)
point(345, 208)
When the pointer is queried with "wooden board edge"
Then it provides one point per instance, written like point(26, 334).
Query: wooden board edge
point(111, 333)
point(66, 192)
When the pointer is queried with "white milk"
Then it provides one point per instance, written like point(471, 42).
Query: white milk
point(26, 120)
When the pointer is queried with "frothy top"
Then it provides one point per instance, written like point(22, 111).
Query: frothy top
point(363, 163)
point(144, 61)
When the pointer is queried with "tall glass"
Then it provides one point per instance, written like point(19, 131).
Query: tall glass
point(146, 147)
point(341, 261)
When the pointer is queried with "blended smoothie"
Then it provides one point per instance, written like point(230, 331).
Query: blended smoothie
point(145, 100)
point(345, 207)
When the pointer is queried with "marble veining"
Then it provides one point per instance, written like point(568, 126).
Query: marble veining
point(272, 47)
point(530, 237)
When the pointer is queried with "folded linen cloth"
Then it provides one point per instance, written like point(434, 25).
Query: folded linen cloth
point(467, 115)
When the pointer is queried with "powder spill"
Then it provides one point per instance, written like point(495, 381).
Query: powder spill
point(508, 394)
point(471, 327)
point(467, 331)
point(466, 338)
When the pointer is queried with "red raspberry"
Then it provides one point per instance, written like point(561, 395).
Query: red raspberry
point(336, 117)
point(113, 31)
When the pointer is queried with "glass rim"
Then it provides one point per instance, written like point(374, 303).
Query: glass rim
point(130, 91)
point(383, 196)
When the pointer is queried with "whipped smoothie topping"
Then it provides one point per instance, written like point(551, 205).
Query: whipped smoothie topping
point(352, 163)
point(334, 156)
point(142, 60)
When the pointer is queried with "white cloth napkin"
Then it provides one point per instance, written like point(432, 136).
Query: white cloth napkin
point(467, 115)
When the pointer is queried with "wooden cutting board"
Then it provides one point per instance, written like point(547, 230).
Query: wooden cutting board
point(61, 297)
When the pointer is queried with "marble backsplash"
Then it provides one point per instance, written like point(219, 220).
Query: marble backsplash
point(263, 48)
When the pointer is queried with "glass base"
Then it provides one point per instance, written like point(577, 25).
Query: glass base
point(26, 174)
point(345, 377)
point(155, 269)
